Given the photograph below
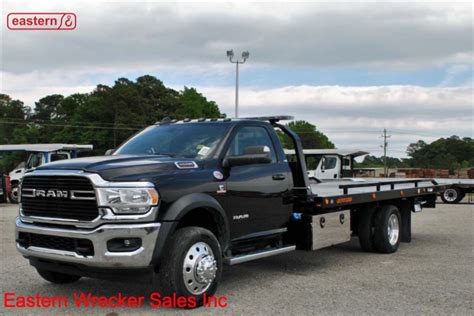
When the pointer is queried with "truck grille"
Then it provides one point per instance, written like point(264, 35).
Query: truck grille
point(80, 246)
point(83, 208)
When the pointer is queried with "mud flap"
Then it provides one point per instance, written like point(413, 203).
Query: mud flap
point(405, 213)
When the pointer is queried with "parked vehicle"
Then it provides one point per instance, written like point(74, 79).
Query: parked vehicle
point(457, 190)
point(39, 154)
point(3, 188)
point(329, 163)
point(180, 199)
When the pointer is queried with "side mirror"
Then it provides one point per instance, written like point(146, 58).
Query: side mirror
point(252, 155)
point(323, 164)
point(109, 152)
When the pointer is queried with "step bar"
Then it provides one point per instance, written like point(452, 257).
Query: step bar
point(258, 255)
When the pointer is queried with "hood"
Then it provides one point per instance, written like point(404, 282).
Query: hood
point(123, 167)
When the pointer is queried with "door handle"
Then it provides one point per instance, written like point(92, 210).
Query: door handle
point(278, 177)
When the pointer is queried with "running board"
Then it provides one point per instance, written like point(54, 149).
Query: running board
point(258, 255)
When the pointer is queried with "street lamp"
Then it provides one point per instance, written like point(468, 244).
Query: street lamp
point(245, 56)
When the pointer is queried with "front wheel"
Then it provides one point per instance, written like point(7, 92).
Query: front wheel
point(192, 265)
point(452, 196)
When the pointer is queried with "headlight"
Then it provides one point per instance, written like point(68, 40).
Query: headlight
point(127, 200)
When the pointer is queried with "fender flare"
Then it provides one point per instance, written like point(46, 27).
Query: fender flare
point(179, 209)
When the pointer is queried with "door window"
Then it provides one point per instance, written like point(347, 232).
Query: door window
point(330, 163)
point(59, 156)
point(346, 163)
point(35, 160)
point(251, 136)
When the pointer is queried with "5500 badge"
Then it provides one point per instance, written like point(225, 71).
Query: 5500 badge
point(46, 21)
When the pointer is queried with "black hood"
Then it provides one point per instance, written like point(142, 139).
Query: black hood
point(120, 167)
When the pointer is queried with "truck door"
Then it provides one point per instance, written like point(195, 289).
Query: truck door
point(329, 167)
point(255, 201)
point(347, 167)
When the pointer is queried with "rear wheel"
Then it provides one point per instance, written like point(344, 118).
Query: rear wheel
point(192, 265)
point(387, 229)
point(57, 277)
point(452, 196)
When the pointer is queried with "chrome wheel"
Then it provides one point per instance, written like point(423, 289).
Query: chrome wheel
point(199, 268)
point(450, 195)
point(393, 229)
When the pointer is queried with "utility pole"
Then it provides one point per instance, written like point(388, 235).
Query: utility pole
point(245, 56)
point(384, 146)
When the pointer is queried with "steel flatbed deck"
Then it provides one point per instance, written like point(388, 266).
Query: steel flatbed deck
point(351, 192)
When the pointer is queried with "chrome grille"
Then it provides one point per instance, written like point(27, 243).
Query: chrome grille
point(80, 203)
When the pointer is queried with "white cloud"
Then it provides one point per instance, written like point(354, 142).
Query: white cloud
point(354, 117)
point(304, 34)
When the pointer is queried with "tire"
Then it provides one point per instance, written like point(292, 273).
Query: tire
point(365, 229)
point(189, 249)
point(452, 196)
point(13, 195)
point(387, 229)
point(57, 277)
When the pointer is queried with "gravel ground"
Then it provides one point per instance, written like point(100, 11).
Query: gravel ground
point(431, 275)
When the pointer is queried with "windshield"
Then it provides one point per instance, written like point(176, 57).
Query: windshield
point(193, 140)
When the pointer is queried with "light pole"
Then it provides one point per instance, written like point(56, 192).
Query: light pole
point(245, 56)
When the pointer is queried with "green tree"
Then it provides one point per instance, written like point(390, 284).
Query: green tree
point(13, 117)
point(414, 147)
point(109, 115)
point(195, 105)
point(13, 121)
point(377, 162)
point(445, 153)
point(310, 137)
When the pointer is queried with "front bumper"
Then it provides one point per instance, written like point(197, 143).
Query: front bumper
point(99, 236)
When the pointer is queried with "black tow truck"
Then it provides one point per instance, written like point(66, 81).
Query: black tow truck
point(180, 199)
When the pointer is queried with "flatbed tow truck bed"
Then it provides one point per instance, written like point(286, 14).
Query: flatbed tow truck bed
point(450, 190)
point(348, 193)
point(329, 188)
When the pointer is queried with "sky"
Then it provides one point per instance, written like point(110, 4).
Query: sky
point(350, 68)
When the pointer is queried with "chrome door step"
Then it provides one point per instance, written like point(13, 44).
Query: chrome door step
point(258, 254)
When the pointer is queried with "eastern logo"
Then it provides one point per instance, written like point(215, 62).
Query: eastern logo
point(49, 21)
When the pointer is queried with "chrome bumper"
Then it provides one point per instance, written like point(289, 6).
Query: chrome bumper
point(99, 237)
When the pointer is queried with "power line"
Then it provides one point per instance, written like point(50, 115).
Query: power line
point(75, 126)
point(38, 121)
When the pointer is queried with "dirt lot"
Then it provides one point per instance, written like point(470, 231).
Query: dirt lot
point(431, 275)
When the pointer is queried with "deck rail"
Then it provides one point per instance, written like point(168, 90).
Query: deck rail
point(378, 185)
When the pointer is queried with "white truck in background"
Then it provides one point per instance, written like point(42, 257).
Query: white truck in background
point(38, 154)
point(326, 164)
